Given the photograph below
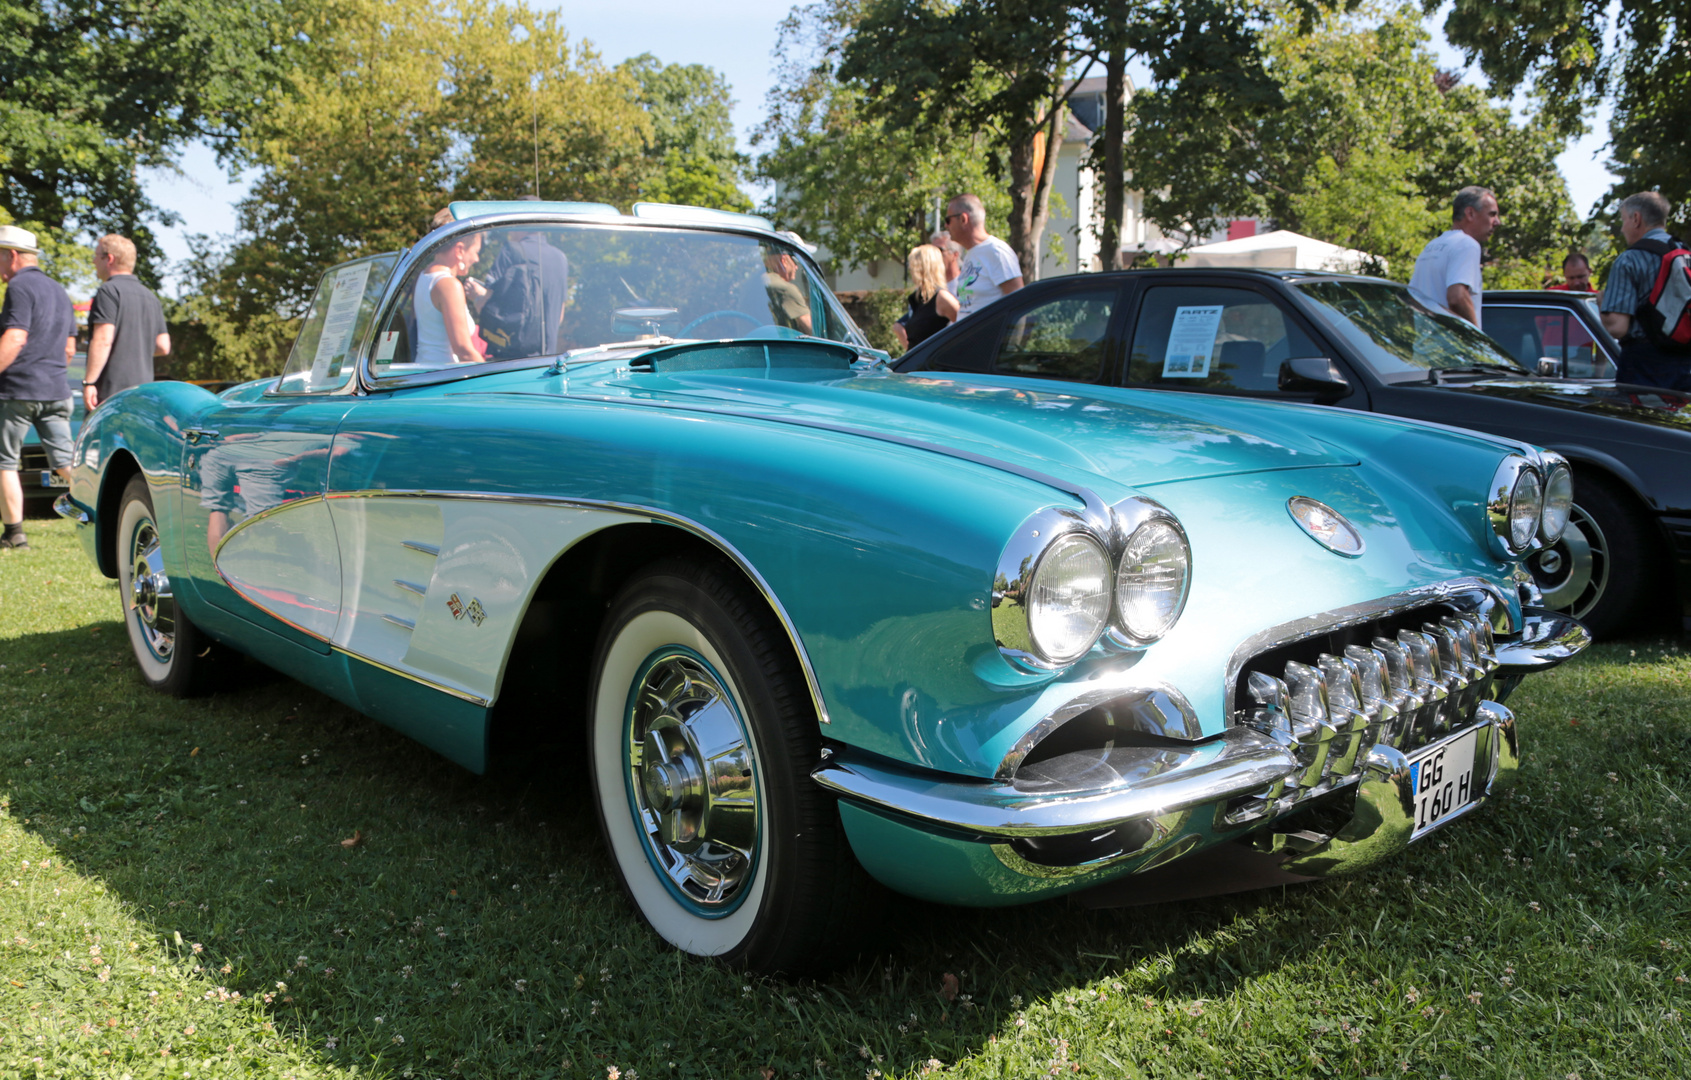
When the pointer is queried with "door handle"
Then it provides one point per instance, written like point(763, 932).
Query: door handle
point(199, 435)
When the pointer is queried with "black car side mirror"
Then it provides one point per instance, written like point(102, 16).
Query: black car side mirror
point(1550, 366)
point(1312, 375)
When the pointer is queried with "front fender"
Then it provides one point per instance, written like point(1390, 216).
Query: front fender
point(137, 430)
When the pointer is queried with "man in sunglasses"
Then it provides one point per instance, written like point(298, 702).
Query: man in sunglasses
point(990, 268)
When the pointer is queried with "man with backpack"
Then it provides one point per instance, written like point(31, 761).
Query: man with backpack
point(522, 309)
point(1647, 298)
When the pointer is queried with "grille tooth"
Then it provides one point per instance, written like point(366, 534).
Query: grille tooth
point(1312, 725)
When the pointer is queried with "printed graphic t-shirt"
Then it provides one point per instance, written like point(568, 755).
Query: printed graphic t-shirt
point(986, 267)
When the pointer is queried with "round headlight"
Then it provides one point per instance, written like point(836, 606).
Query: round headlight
point(1151, 580)
point(1068, 599)
point(1558, 503)
point(1526, 503)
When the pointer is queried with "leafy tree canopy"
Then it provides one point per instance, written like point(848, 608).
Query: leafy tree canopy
point(400, 107)
point(863, 186)
point(692, 148)
point(1576, 52)
point(1369, 148)
point(93, 90)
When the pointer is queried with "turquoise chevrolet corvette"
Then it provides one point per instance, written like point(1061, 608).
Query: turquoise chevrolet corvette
point(636, 481)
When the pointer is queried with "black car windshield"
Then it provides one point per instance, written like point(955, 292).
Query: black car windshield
point(523, 291)
point(1400, 338)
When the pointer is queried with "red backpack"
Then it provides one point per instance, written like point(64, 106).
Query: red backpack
point(1665, 314)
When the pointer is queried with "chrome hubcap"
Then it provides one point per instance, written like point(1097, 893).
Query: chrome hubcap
point(691, 777)
point(1573, 572)
point(150, 599)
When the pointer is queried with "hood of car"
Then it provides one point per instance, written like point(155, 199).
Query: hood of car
point(1648, 405)
point(1134, 437)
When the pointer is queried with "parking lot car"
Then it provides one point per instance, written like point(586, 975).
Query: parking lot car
point(1552, 332)
point(1365, 344)
point(814, 624)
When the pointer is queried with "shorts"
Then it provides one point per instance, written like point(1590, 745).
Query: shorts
point(51, 421)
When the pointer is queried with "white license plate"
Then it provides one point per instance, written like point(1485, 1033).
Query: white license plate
point(49, 478)
point(1441, 776)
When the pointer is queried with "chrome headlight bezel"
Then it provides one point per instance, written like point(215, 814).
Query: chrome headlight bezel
point(1130, 518)
point(1507, 506)
point(1026, 553)
point(1018, 571)
point(1556, 472)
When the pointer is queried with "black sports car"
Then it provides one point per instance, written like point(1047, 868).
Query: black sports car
point(1552, 332)
point(1364, 343)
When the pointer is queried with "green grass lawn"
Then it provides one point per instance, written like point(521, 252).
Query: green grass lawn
point(177, 898)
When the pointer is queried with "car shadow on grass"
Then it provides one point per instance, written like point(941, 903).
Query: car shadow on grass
point(420, 916)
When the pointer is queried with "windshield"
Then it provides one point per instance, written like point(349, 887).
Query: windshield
point(514, 292)
point(1398, 336)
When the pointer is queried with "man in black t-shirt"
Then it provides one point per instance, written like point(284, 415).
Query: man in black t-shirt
point(126, 323)
point(37, 339)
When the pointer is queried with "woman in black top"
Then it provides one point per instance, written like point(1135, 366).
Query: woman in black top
point(931, 307)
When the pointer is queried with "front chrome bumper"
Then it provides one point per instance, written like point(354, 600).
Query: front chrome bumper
point(68, 508)
point(1333, 732)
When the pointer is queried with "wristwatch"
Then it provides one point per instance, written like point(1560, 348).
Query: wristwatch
point(96, 383)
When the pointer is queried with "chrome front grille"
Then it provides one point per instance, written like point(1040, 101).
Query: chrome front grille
point(1403, 691)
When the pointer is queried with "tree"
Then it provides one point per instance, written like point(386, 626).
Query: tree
point(400, 107)
point(1372, 142)
point(1205, 47)
point(93, 90)
point(692, 151)
point(864, 188)
point(1577, 52)
point(999, 67)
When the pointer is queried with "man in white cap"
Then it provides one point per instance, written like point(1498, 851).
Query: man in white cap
point(37, 340)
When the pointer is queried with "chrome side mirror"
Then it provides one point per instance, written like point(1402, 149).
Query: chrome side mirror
point(1550, 366)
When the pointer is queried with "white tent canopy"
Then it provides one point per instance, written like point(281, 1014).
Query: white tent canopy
point(1280, 249)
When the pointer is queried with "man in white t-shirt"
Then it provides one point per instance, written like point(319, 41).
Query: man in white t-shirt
point(1447, 273)
point(990, 269)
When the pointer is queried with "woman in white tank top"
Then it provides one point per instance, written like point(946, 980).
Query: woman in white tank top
point(444, 327)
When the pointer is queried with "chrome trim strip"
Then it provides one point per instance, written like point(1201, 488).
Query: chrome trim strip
point(1183, 724)
point(461, 695)
point(1240, 762)
point(405, 624)
point(417, 545)
point(661, 516)
point(411, 587)
point(1349, 615)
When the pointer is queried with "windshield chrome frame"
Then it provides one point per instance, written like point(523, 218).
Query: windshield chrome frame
point(368, 382)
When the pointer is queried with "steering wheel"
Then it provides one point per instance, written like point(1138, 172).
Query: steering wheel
point(724, 313)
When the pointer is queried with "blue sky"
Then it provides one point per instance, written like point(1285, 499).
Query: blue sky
point(737, 40)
